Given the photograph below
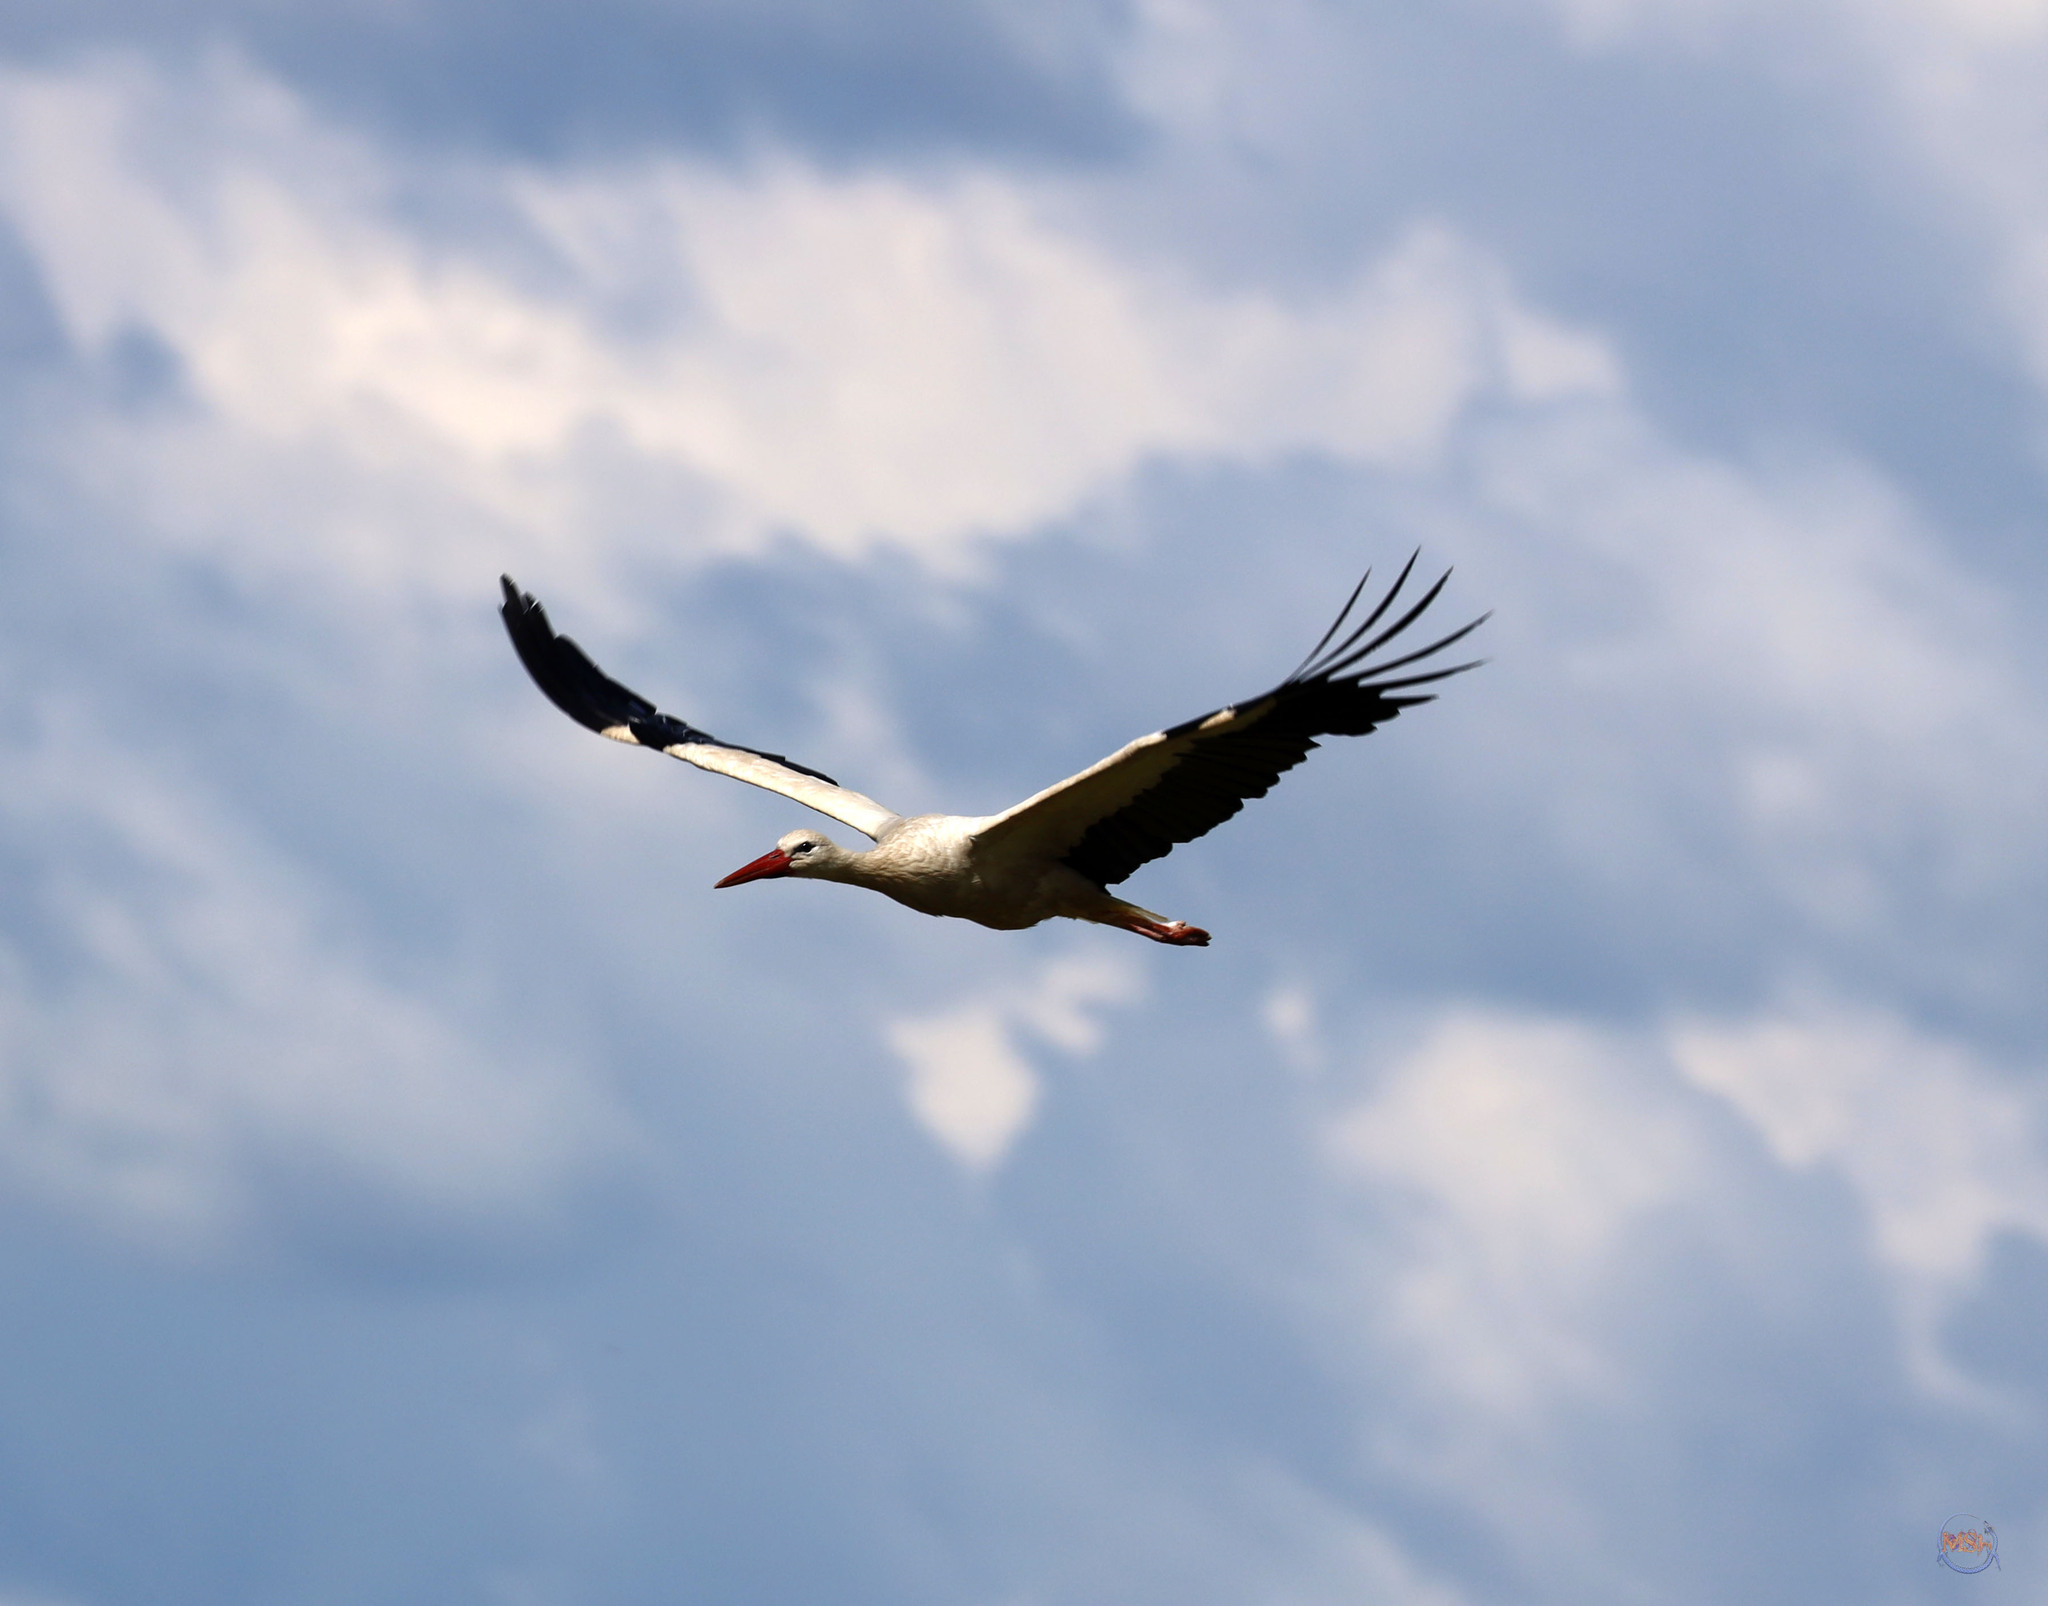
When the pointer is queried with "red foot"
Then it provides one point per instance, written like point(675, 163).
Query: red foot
point(1177, 932)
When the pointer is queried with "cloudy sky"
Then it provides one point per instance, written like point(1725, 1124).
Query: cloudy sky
point(1603, 1157)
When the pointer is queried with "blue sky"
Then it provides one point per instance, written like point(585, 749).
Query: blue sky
point(1602, 1157)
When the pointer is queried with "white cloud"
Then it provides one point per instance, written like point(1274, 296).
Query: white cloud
point(185, 1057)
point(857, 358)
point(1965, 82)
point(1942, 1150)
point(1511, 1168)
point(1996, 22)
point(1779, 662)
point(1960, 116)
point(1289, 1016)
point(1325, 1550)
point(1608, 24)
point(1531, 1146)
point(971, 1086)
point(1516, 1167)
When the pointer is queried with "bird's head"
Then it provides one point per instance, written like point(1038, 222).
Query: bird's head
point(801, 853)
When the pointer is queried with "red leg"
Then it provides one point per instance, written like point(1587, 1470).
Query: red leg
point(1177, 932)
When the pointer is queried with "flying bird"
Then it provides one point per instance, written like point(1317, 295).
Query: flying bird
point(1057, 853)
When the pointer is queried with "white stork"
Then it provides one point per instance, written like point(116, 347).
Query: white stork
point(1053, 854)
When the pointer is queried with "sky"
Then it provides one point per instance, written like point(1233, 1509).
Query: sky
point(1602, 1159)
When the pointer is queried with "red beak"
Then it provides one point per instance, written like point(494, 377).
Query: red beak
point(772, 863)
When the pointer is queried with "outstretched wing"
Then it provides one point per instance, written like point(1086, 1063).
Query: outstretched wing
point(589, 696)
point(1174, 785)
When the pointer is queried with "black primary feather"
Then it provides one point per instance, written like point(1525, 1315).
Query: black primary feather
point(592, 698)
point(1327, 696)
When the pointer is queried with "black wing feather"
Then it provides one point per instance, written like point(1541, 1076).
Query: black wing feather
point(592, 698)
point(1327, 696)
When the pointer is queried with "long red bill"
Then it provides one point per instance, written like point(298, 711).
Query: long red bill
point(772, 863)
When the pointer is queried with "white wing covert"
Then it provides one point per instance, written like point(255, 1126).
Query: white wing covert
point(1175, 785)
point(593, 699)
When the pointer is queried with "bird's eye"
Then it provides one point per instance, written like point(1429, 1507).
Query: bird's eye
point(803, 847)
